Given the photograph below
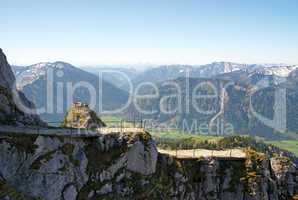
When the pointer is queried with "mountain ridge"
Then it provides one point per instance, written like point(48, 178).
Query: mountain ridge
point(36, 79)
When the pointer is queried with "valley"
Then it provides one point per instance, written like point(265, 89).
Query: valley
point(173, 88)
point(149, 100)
point(97, 156)
point(228, 114)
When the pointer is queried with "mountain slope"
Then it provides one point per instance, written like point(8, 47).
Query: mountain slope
point(217, 115)
point(56, 86)
point(168, 72)
point(120, 77)
point(188, 113)
point(228, 70)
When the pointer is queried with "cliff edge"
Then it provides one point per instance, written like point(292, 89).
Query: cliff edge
point(10, 113)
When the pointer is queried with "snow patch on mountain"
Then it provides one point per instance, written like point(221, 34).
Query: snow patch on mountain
point(281, 71)
point(29, 74)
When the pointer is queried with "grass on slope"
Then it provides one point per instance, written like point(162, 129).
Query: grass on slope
point(114, 121)
point(107, 118)
point(178, 135)
point(289, 145)
point(171, 139)
point(118, 121)
point(175, 139)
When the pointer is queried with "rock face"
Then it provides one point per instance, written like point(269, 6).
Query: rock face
point(210, 179)
point(80, 116)
point(73, 168)
point(285, 171)
point(10, 113)
point(127, 166)
point(6, 75)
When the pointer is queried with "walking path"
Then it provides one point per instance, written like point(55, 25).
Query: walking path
point(199, 153)
point(64, 131)
point(183, 154)
point(47, 131)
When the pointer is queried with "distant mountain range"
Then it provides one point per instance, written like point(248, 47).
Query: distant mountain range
point(267, 77)
point(235, 109)
point(119, 76)
point(169, 72)
point(32, 81)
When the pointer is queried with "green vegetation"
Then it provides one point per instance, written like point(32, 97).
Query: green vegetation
point(132, 137)
point(40, 160)
point(66, 149)
point(289, 145)
point(104, 157)
point(254, 168)
point(175, 139)
point(238, 172)
point(179, 135)
point(116, 121)
point(111, 118)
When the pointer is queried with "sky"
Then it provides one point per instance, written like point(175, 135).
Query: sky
point(96, 32)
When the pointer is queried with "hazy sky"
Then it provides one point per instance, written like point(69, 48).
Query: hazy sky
point(86, 32)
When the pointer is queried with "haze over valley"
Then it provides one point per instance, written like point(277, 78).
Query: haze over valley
point(149, 100)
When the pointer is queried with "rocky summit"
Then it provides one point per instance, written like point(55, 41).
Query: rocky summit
point(81, 116)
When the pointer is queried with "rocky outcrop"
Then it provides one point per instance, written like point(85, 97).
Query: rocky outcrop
point(69, 168)
point(142, 159)
point(10, 112)
point(213, 179)
point(81, 116)
point(285, 172)
point(128, 166)
point(6, 75)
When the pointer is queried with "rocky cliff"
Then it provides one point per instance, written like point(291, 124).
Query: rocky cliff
point(128, 166)
point(10, 113)
point(81, 116)
point(73, 168)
